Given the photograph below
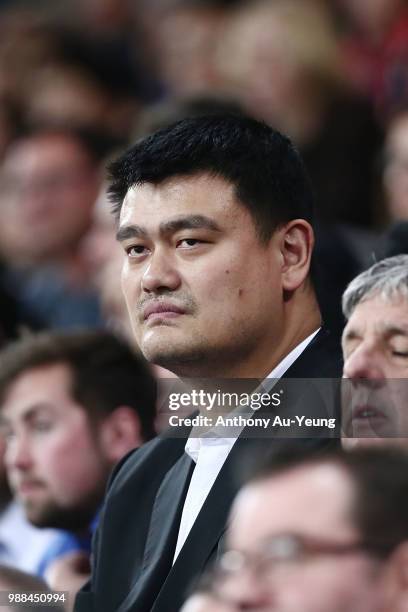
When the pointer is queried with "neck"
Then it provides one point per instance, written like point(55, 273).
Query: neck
point(300, 318)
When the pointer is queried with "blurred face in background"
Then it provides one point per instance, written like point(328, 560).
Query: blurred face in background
point(57, 461)
point(292, 539)
point(99, 245)
point(103, 258)
point(69, 96)
point(186, 40)
point(48, 185)
point(372, 17)
point(203, 602)
point(375, 396)
point(4, 487)
point(275, 68)
point(396, 168)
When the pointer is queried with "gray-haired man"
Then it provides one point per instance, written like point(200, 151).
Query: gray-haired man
point(375, 347)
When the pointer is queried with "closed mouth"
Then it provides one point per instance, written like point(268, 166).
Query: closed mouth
point(162, 310)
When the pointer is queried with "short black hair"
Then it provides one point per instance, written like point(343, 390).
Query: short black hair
point(106, 372)
point(266, 170)
point(379, 475)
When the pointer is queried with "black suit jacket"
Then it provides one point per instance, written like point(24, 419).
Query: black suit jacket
point(134, 546)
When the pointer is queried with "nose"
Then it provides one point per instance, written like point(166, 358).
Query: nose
point(18, 454)
point(249, 593)
point(160, 274)
point(365, 363)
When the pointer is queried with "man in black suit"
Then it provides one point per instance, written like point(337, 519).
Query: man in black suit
point(214, 216)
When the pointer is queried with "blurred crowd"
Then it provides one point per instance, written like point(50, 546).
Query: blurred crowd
point(79, 82)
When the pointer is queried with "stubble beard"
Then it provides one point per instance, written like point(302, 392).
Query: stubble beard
point(198, 359)
point(177, 359)
point(50, 515)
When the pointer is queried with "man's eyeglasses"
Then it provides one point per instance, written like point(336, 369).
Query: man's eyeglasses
point(289, 550)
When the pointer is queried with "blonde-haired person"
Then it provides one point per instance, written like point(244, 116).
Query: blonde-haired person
point(281, 60)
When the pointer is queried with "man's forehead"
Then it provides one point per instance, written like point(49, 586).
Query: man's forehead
point(382, 316)
point(301, 477)
point(324, 492)
point(201, 189)
point(40, 379)
point(41, 388)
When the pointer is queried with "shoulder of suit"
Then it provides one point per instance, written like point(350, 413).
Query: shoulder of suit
point(323, 357)
point(155, 456)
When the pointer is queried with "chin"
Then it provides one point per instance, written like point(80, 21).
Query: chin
point(58, 517)
point(350, 444)
point(38, 518)
point(173, 358)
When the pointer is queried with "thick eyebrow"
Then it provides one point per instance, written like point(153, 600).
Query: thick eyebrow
point(395, 330)
point(189, 222)
point(169, 227)
point(389, 329)
point(4, 421)
point(130, 231)
point(349, 334)
point(29, 414)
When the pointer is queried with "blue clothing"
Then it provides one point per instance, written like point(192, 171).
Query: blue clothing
point(21, 544)
point(67, 544)
point(43, 295)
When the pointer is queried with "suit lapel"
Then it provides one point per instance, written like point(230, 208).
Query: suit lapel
point(166, 514)
point(320, 359)
point(162, 534)
point(203, 539)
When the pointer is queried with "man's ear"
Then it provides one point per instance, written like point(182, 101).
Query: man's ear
point(120, 432)
point(397, 580)
point(296, 245)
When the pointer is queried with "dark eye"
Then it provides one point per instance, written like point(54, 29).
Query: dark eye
point(349, 348)
point(135, 251)
point(187, 243)
point(42, 426)
point(7, 433)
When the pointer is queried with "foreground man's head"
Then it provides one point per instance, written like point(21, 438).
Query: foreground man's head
point(317, 533)
point(375, 348)
point(214, 216)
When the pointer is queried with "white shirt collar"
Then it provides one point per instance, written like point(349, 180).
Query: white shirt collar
point(194, 444)
point(291, 357)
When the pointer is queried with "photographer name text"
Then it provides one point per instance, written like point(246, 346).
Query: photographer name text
point(245, 421)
